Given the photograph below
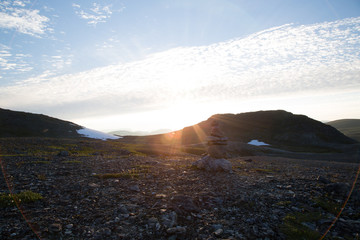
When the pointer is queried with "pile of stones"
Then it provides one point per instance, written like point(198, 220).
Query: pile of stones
point(216, 153)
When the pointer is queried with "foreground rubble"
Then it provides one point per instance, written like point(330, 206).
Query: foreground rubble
point(91, 192)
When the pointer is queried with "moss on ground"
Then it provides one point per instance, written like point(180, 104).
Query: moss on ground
point(7, 199)
point(294, 225)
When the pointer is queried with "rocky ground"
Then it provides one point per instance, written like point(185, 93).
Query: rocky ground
point(105, 190)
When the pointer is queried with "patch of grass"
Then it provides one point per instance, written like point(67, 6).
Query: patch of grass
point(142, 168)
point(283, 203)
point(41, 162)
point(41, 177)
point(72, 161)
point(327, 204)
point(293, 226)
point(261, 170)
point(22, 197)
point(132, 173)
point(194, 150)
point(137, 149)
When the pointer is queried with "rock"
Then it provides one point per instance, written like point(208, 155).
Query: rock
point(213, 165)
point(63, 153)
point(55, 228)
point(134, 188)
point(184, 204)
point(69, 226)
point(178, 229)
point(153, 222)
point(323, 180)
point(216, 226)
point(122, 209)
point(218, 232)
point(217, 151)
point(338, 189)
point(169, 220)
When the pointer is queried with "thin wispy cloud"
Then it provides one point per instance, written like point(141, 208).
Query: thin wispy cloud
point(97, 13)
point(289, 59)
point(14, 16)
point(16, 62)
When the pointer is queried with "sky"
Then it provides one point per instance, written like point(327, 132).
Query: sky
point(166, 64)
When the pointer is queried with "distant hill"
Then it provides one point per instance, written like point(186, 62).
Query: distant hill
point(139, 133)
point(274, 127)
point(279, 128)
point(349, 127)
point(23, 124)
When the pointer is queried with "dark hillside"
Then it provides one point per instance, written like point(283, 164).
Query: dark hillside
point(22, 124)
point(349, 127)
point(273, 127)
point(281, 129)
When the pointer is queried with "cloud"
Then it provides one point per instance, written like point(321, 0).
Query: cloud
point(15, 62)
point(287, 60)
point(95, 14)
point(14, 16)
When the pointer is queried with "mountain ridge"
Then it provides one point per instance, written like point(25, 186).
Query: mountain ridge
point(349, 127)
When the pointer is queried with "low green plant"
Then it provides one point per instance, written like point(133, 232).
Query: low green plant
point(41, 177)
point(293, 225)
point(72, 161)
point(328, 205)
point(260, 170)
point(7, 199)
point(41, 162)
point(132, 173)
point(283, 203)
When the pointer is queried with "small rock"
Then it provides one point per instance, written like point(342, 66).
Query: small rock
point(55, 227)
point(123, 209)
point(218, 232)
point(338, 189)
point(169, 220)
point(63, 153)
point(178, 229)
point(134, 188)
point(69, 226)
point(323, 180)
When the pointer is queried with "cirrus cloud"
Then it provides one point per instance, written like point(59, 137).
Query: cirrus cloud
point(14, 16)
point(95, 14)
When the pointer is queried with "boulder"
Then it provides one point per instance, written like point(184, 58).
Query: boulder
point(211, 164)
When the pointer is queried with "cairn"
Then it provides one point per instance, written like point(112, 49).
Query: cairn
point(214, 160)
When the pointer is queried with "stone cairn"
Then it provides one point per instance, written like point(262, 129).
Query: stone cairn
point(214, 160)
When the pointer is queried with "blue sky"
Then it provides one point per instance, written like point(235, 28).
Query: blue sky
point(145, 65)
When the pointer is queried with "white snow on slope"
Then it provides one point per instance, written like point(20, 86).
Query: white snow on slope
point(257, 143)
point(90, 133)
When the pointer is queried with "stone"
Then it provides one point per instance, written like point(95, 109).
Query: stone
point(323, 180)
point(184, 204)
point(218, 232)
point(211, 164)
point(63, 153)
point(169, 220)
point(134, 188)
point(217, 151)
point(55, 228)
point(339, 189)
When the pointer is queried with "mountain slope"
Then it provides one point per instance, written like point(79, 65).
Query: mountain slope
point(349, 127)
point(282, 130)
point(273, 127)
point(22, 124)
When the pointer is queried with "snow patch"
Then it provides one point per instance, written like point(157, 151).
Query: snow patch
point(257, 143)
point(90, 133)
